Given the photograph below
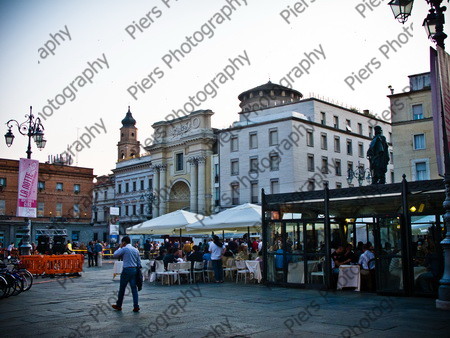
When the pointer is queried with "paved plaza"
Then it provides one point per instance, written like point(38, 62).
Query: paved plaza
point(78, 307)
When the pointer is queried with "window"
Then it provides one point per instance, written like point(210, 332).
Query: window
point(234, 144)
point(142, 185)
point(421, 171)
point(311, 185)
point(310, 138)
point(150, 183)
point(338, 185)
point(2, 182)
point(96, 196)
point(419, 141)
point(58, 210)
point(274, 162)
point(273, 137)
point(76, 211)
point(40, 209)
point(105, 195)
point(336, 122)
point(235, 193)
point(126, 210)
point(274, 186)
point(348, 125)
point(234, 167)
point(323, 141)
point(76, 188)
point(337, 168)
point(370, 132)
point(253, 164)
point(134, 209)
point(134, 185)
point(349, 147)
point(310, 162)
point(323, 118)
point(254, 192)
point(391, 157)
point(253, 139)
point(120, 188)
point(179, 162)
point(337, 144)
point(127, 187)
point(41, 185)
point(2, 207)
point(216, 197)
point(360, 129)
point(142, 208)
point(59, 186)
point(360, 149)
point(349, 166)
point(417, 112)
point(324, 168)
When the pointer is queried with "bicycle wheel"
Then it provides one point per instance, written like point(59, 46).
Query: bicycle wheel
point(28, 278)
point(4, 287)
point(15, 285)
point(9, 284)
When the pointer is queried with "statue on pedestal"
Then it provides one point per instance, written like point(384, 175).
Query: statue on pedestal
point(378, 155)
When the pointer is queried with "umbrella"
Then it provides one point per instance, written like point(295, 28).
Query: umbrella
point(243, 217)
point(165, 224)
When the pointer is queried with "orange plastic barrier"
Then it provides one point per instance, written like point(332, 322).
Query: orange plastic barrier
point(54, 264)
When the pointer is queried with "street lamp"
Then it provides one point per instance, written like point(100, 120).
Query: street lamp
point(434, 26)
point(360, 173)
point(32, 128)
point(401, 9)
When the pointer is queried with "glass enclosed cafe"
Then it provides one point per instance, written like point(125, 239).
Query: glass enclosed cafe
point(403, 221)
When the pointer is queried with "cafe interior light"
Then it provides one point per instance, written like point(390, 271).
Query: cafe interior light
point(413, 209)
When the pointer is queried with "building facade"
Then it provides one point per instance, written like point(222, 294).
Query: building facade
point(64, 202)
point(103, 200)
point(291, 145)
point(182, 162)
point(412, 128)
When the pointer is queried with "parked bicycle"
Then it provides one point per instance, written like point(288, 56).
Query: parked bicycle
point(14, 279)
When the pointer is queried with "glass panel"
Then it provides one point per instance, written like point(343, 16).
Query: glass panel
point(314, 253)
point(274, 268)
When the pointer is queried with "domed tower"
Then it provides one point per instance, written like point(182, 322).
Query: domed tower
point(266, 96)
point(128, 146)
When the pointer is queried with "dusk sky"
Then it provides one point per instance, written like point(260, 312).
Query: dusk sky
point(80, 64)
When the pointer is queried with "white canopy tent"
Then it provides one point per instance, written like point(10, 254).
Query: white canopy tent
point(245, 217)
point(165, 224)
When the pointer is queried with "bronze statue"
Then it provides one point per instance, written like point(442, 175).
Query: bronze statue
point(378, 155)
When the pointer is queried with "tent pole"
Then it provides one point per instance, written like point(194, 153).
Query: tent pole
point(181, 242)
point(248, 237)
point(223, 235)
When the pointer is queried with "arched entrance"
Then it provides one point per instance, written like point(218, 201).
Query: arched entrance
point(179, 197)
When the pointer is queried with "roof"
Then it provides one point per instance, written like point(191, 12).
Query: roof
point(128, 121)
point(267, 88)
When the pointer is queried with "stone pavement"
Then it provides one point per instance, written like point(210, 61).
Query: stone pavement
point(78, 307)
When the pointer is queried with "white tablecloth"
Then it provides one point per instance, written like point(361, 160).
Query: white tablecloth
point(255, 268)
point(296, 273)
point(349, 276)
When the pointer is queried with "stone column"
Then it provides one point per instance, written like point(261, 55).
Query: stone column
point(155, 207)
point(201, 184)
point(163, 190)
point(193, 164)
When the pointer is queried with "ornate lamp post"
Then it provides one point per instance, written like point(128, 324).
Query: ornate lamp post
point(434, 26)
point(32, 128)
point(360, 173)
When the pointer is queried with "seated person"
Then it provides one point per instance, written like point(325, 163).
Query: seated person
point(206, 255)
point(428, 282)
point(242, 254)
point(170, 258)
point(338, 258)
point(367, 262)
point(195, 256)
point(349, 254)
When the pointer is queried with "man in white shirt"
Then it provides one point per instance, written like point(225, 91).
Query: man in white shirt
point(367, 269)
point(131, 264)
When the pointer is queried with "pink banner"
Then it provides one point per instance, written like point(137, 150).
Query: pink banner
point(27, 188)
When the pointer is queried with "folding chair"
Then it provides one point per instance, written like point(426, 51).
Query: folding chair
point(230, 268)
point(242, 270)
point(209, 270)
point(199, 268)
point(184, 269)
point(159, 269)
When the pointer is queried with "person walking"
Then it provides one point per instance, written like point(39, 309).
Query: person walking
point(131, 264)
point(216, 249)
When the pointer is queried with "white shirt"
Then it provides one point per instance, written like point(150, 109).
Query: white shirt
point(365, 258)
point(10, 247)
point(216, 251)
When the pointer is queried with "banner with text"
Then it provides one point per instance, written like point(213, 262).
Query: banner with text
point(27, 188)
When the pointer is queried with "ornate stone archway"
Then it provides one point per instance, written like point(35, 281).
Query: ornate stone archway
point(179, 197)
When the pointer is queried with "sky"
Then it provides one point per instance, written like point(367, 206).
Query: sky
point(80, 64)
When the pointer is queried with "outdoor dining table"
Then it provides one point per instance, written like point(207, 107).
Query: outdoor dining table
point(255, 268)
point(349, 276)
point(296, 273)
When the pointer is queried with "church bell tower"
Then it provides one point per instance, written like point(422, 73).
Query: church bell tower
point(128, 146)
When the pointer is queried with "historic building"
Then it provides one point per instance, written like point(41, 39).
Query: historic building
point(133, 177)
point(64, 202)
point(412, 129)
point(284, 143)
point(182, 163)
point(104, 198)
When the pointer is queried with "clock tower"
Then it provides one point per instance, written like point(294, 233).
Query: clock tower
point(128, 146)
